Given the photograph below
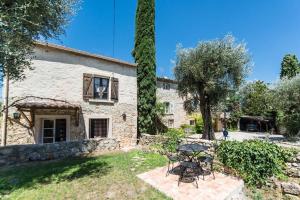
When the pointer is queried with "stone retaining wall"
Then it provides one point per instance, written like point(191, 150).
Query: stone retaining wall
point(146, 140)
point(15, 154)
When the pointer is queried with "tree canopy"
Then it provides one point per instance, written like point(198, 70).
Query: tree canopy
point(23, 22)
point(256, 99)
point(290, 66)
point(144, 55)
point(208, 72)
point(287, 98)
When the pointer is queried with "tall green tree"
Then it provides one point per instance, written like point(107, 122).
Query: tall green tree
point(290, 66)
point(255, 99)
point(144, 55)
point(208, 72)
point(21, 23)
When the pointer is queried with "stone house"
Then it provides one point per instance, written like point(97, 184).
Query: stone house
point(167, 93)
point(73, 95)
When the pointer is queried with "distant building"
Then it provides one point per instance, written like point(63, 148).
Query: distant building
point(167, 93)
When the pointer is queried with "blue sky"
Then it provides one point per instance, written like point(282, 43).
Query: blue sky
point(271, 29)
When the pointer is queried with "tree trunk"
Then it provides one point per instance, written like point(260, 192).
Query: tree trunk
point(205, 109)
point(5, 112)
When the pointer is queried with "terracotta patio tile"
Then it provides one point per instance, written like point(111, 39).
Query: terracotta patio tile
point(210, 189)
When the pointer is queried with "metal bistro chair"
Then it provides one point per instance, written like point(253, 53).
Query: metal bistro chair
point(172, 159)
point(189, 172)
point(208, 159)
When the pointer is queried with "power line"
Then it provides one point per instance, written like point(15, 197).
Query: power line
point(114, 28)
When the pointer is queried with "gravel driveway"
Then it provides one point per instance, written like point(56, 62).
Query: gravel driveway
point(240, 136)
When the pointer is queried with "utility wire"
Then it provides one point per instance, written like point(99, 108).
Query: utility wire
point(114, 27)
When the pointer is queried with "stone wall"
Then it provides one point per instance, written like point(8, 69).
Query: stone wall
point(15, 154)
point(146, 140)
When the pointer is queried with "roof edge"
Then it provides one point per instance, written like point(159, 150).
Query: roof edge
point(162, 79)
point(83, 53)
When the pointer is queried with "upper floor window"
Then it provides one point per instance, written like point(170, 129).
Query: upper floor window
point(166, 86)
point(101, 88)
point(168, 108)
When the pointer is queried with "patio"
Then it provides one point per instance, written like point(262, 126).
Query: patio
point(222, 187)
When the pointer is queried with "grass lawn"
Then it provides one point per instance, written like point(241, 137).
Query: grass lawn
point(110, 176)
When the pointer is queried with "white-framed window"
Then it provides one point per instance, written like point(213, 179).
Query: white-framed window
point(99, 127)
point(171, 123)
point(166, 86)
point(101, 88)
point(169, 108)
point(54, 130)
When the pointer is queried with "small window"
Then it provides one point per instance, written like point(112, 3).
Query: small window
point(171, 123)
point(98, 128)
point(166, 86)
point(101, 88)
point(168, 108)
point(192, 122)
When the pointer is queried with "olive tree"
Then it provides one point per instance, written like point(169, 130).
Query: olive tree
point(207, 73)
point(287, 100)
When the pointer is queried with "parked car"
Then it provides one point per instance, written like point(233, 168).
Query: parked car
point(252, 127)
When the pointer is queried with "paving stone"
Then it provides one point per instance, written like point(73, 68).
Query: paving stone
point(291, 197)
point(223, 187)
point(291, 188)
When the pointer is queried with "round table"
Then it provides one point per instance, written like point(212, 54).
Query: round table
point(192, 148)
point(190, 151)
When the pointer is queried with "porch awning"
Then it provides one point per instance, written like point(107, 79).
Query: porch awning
point(31, 104)
point(46, 105)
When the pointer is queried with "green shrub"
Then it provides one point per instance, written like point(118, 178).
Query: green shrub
point(254, 160)
point(188, 128)
point(174, 138)
point(199, 126)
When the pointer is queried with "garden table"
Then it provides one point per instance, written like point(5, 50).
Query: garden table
point(191, 150)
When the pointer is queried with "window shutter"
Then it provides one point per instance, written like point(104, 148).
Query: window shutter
point(114, 89)
point(88, 86)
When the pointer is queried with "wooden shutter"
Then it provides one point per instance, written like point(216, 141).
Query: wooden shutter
point(88, 86)
point(114, 89)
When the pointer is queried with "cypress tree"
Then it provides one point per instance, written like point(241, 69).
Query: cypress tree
point(144, 55)
point(289, 66)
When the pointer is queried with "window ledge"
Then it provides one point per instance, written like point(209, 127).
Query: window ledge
point(101, 101)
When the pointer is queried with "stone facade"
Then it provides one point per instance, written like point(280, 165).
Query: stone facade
point(167, 93)
point(16, 154)
point(58, 74)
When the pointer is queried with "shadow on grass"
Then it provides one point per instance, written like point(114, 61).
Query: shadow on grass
point(37, 174)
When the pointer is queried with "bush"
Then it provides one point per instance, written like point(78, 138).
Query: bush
point(188, 128)
point(174, 138)
point(199, 126)
point(254, 160)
